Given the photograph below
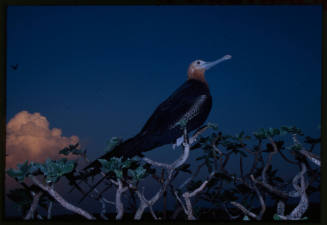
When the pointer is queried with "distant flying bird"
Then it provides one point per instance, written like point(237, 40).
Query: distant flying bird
point(190, 103)
point(14, 67)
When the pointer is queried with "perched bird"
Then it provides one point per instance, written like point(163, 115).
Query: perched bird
point(190, 103)
point(14, 67)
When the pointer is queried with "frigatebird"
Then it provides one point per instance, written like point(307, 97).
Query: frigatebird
point(14, 67)
point(190, 103)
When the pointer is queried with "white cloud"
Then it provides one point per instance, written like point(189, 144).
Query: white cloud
point(30, 138)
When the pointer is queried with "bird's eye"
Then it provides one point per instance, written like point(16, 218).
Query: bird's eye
point(198, 62)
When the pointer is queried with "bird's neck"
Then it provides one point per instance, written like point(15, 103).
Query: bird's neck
point(197, 75)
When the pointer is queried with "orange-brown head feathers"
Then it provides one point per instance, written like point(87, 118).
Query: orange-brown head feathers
point(198, 67)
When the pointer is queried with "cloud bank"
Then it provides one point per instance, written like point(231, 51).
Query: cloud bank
point(30, 138)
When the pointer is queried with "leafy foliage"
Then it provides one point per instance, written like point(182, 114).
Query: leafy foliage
point(112, 143)
point(21, 173)
point(216, 150)
point(118, 166)
point(71, 149)
point(54, 169)
point(21, 197)
point(51, 169)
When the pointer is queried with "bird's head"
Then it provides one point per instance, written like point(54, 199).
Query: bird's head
point(198, 67)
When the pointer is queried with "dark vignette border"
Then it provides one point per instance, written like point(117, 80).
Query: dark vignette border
point(3, 16)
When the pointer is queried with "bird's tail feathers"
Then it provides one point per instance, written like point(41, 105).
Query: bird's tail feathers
point(127, 149)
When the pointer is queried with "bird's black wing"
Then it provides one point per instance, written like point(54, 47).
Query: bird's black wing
point(174, 107)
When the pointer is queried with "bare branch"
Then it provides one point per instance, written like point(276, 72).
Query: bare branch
point(50, 210)
point(35, 203)
point(180, 201)
point(272, 189)
point(311, 156)
point(61, 200)
point(157, 164)
point(119, 203)
point(228, 213)
point(188, 180)
point(144, 203)
point(243, 209)
point(241, 166)
point(303, 205)
point(189, 209)
point(286, 159)
point(186, 195)
point(280, 208)
point(103, 209)
point(268, 162)
point(49, 216)
point(262, 202)
point(197, 133)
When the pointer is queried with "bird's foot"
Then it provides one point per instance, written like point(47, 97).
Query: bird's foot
point(178, 142)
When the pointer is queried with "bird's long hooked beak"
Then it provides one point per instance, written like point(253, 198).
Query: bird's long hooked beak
point(209, 65)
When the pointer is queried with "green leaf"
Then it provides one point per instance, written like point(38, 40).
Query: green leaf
point(260, 134)
point(103, 162)
point(114, 141)
point(140, 172)
point(247, 137)
point(118, 173)
point(291, 130)
point(276, 131)
point(243, 154)
point(71, 149)
point(106, 167)
point(295, 147)
point(213, 126)
point(54, 169)
point(21, 173)
point(127, 164)
point(68, 167)
point(276, 217)
point(182, 123)
point(77, 152)
point(34, 167)
point(246, 218)
point(240, 135)
point(13, 173)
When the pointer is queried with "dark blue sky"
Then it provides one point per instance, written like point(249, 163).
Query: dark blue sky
point(98, 72)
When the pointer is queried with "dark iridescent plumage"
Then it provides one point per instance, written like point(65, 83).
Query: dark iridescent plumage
point(191, 101)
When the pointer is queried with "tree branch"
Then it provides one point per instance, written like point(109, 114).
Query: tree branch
point(61, 200)
point(35, 203)
point(119, 203)
point(244, 210)
point(303, 205)
point(311, 156)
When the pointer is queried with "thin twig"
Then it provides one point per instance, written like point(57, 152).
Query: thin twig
point(311, 156)
point(228, 213)
point(268, 162)
point(244, 210)
point(262, 202)
point(187, 198)
point(35, 203)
